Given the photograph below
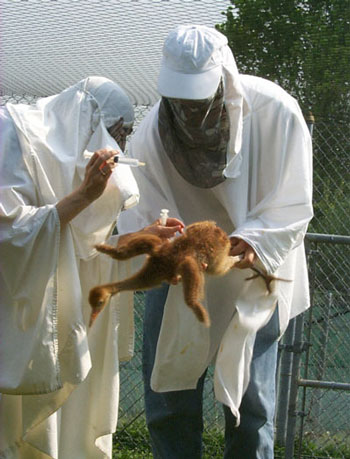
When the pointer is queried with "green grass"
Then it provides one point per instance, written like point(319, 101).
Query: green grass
point(132, 442)
point(330, 446)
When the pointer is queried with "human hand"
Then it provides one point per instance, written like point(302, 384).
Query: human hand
point(243, 249)
point(97, 173)
point(173, 225)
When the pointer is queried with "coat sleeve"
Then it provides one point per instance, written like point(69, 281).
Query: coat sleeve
point(280, 175)
point(29, 245)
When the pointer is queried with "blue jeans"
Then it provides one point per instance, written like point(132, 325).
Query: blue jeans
point(175, 419)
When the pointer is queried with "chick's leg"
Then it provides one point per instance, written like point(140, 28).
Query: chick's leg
point(193, 286)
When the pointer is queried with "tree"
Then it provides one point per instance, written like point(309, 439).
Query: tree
point(302, 45)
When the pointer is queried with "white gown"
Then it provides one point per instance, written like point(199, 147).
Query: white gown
point(59, 380)
point(266, 200)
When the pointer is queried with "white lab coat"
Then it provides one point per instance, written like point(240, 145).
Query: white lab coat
point(267, 202)
point(59, 381)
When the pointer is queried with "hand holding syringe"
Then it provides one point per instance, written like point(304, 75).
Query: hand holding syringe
point(168, 224)
point(117, 159)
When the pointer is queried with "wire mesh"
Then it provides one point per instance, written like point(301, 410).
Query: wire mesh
point(48, 45)
point(324, 413)
point(331, 178)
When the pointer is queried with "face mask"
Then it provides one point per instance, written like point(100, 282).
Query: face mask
point(195, 134)
point(120, 132)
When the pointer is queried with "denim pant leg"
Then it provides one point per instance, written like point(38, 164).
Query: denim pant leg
point(174, 419)
point(254, 438)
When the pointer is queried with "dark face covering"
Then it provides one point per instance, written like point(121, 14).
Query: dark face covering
point(195, 135)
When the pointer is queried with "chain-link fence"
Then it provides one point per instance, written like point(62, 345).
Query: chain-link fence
point(314, 398)
point(313, 418)
point(321, 409)
point(324, 398)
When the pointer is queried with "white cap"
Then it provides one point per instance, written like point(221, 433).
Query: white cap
point(191, 66)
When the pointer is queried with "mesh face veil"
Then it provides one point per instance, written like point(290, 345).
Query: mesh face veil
point(195, 134)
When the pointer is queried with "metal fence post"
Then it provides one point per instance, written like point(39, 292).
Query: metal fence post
point(284, 381)
point(315, 399)
point(293, 396)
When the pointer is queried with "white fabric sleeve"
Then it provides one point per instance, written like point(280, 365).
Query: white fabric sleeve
point(29, 247)
point(281, 197)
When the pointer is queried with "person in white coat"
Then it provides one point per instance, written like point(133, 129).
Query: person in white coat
point(234, 149)
point(60, 194)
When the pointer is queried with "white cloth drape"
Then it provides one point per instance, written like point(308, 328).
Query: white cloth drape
point(48, 357)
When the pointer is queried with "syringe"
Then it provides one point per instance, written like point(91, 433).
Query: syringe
point(128, 161)
point(163, 217)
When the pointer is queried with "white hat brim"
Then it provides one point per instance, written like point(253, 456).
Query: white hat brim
point(192, 86)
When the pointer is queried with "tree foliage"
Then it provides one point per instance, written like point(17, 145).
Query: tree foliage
point(304, 46)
